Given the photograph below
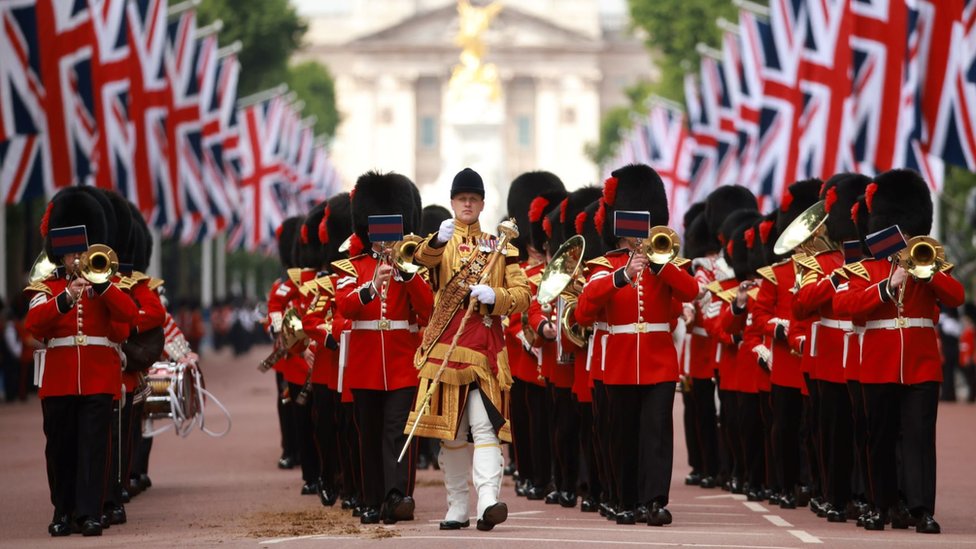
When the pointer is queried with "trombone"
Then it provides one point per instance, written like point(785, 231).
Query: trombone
point(560, 283)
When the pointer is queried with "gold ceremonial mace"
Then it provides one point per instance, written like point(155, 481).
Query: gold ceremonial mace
point(507, 230)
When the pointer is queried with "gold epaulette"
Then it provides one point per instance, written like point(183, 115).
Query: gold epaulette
point(306, 288)
point(318, 304)
point(946, 268)
point(753, 293)
point(600, 262)
point(424, 273)
point(155, 283)
point(139, 276)
point(39, 286)
point(295, 275)
point(125, 283)
point(841, 272)
point(810, 277)
point(767, 274)
point(715, 287)
point(324, 285)
point(511, 251)
point(345, 266)
point(858, 269)
point(681, 262)
point(808, 262)
point(727, 295)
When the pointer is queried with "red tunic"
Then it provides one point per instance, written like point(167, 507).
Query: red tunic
point(151, 314)
point(597, 318)
point(85, 369)
point(325, 368)
point(382, 359)
point(523, 364)
point(775, 302)
point(726, 351)
point(815, 300)
point(640, 357)
point(906, 354)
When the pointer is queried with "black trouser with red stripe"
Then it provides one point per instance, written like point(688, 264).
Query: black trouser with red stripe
point(787, 414)
point(692, 444)
point(588, 450)
point(731, 436)
point(642, 442)
point(751, 438)
point(566, 437)
point(537, 403)
point(324, 403)
point(601, 440)
point(352, 479)
point(706, 423)
point(380, 419)
point(811, 423)
point(836, 442)
point(77, 430)
point(286, 418)
point(862, 483)
point(305, 435)
point(521, 432)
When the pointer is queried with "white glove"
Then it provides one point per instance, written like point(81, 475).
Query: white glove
point(483, 293)
point(446, 231)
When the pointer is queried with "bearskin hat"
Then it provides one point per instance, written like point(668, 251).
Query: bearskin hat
point(73, 206)
point(308, 247)
point(839, 195)
point(691, 213)
point(634, 187)
point(698, 241)
point(736, 250)
point(723, 201)
point(585, 225)
point(523, 190)
point(384, 194)
point(287, 235)
point(123, 222)
point(141, 242)
point(900, 197)
point(860, 217)
point(335, 227)
point(569, 209)
point(540, 207)
point(797, 199)
point(757, 250)
point(432, 217)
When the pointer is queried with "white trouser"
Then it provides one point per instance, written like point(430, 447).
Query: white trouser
point(455, 460)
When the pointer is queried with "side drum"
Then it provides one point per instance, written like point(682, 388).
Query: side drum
point(173, 391)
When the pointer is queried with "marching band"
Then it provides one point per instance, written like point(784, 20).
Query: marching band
point(802, 341)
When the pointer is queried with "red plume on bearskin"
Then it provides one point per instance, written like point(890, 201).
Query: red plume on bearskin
point(562, 211)
point(46, 219)
point(278, 231)
point(787, 200)
point(610, 191)
point(547, 226)
point(855, 209)
point(750, 237)
point(304, 234)
point(869, 195)
point(600, 217)
point(537, 209)
point(730, 247)
point(323, 228)
point(580, 222)
point(765, 228)
point(355, 245)
point(830, 199)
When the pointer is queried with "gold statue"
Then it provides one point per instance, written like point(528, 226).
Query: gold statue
point(472, 72)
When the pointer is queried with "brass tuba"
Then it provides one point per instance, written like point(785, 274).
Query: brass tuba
point(98, 264)
point(661, 245)
point(923, 257)
point(560, 283)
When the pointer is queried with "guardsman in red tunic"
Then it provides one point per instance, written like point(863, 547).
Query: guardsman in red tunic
point(814, 299)
point(81, 325)
point(385, 309)
point(559, 355)
point(471, 364)
point(641, 361)
point(283, 291)
point(531, 403)
point(900, 364)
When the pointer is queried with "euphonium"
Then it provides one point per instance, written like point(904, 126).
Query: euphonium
point(42, 268)
point(661, 245)
point(562, 269)
point(807, 233)
point(98, 264)
point(292, 332)
point(923, 257)
point(576, 333)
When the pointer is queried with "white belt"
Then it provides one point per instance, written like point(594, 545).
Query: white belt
point(859, 330)
point(601, 326)
point(699, 331)
point(897, 323)
point(638, 328)
point(845, 325)
point(81, 341)
point(383, 325)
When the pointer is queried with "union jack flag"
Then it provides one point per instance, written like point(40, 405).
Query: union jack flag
point(740, 60)
point(263, 204)
point(669, 153)
point(148, 107)
point(717, 99)
point(704, 151)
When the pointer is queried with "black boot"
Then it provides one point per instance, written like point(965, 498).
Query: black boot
point(658, 516)
point(60, 525)
point(925, 524)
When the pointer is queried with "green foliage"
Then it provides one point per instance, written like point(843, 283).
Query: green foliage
point(313, 83)
point(956, 220)
point(269, 31)
point(617, 121)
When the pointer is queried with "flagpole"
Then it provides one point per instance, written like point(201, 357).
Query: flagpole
point(753, 7)
point(177, 9)
point(727, 26)
point(220, 277)
point(234, 47)
point(260, 96)
point(705, 50)
point(212, 28)
point(156, 261)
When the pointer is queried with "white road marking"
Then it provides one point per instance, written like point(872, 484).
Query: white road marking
point(757, 507)
point(804, 536)
point(481, 539)
point(723, 496)
point(778, 521)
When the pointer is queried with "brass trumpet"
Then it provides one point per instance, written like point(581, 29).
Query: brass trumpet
point(98, 264)
point(923, 257)
point(661, 245)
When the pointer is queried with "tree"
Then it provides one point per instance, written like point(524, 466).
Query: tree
point(314, 85)
point(269, 31)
